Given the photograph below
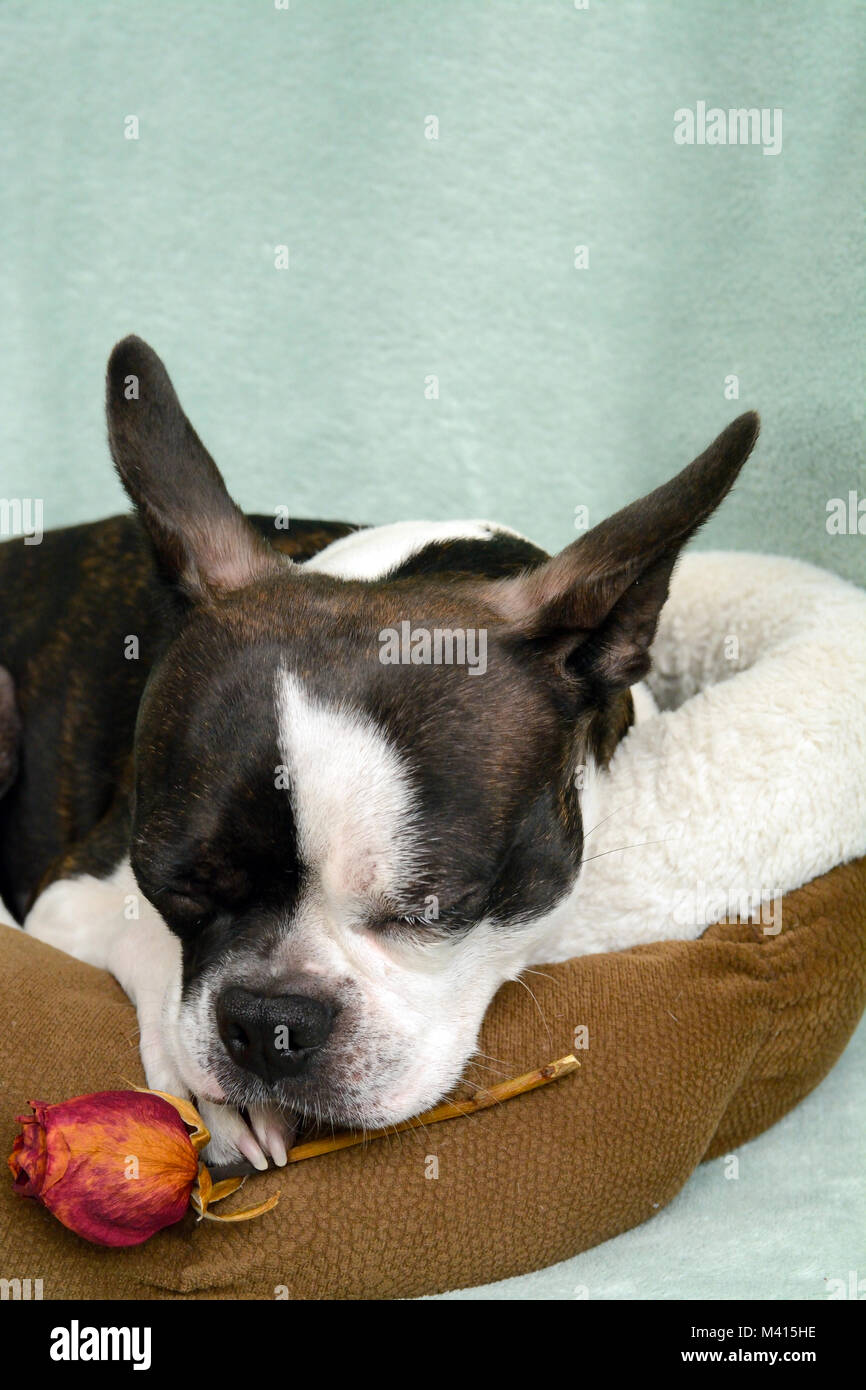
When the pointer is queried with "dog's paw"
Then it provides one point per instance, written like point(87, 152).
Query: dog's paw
point(160, 1069)
point(266, 1138)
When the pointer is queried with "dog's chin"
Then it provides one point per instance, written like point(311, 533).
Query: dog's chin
point(317, 1107)
point(331, 1103)
point(377, 1110)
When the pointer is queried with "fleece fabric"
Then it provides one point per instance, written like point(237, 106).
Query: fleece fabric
point(759, 670)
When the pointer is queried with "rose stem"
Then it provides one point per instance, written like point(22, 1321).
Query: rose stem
point(451, 1110)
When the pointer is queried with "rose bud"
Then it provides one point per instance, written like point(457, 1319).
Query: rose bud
point(114, 1167)
point(117, 1166)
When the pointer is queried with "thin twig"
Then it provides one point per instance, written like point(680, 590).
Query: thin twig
point(452, 1110)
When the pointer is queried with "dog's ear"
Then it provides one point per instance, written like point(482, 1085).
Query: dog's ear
point(202, 539)
point(595, 606)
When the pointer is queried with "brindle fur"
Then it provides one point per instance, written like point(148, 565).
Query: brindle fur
point(67, 607)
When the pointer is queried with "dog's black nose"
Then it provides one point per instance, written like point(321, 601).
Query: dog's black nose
point(272, 1036)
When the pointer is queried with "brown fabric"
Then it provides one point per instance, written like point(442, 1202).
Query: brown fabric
point(694, 1047)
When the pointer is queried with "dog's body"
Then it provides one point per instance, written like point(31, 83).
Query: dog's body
point(351, 855)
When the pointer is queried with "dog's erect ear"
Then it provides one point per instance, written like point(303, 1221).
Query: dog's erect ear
point(596, 605)
point(201, 538)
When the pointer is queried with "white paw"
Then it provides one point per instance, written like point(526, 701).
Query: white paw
point(267, 1137)
point(160, 1069)
point(274, 1131)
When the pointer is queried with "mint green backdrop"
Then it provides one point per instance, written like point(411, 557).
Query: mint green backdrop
point(410, 258)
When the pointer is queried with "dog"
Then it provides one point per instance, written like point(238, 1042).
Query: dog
point(266, 779)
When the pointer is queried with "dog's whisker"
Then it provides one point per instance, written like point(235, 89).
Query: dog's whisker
point(495, 1071)
point(538, 1006)
point(419, 1132)
point(603, 821)
point(619, 848)
point(482, 1060)
point(542, 974)
point(488, 1057)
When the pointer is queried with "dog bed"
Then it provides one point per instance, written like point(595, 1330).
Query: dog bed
point(751, 780)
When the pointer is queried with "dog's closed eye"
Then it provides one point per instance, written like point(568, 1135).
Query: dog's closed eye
point(185, 908)
point(430, 916)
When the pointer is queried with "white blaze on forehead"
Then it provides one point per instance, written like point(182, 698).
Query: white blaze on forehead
point(351, 792)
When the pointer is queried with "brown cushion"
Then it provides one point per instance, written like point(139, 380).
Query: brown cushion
point(694, 1047)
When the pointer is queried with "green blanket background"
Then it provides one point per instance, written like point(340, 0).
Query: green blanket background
point(411, 258)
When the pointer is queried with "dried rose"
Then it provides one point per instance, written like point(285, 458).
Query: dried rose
point(117, 1166)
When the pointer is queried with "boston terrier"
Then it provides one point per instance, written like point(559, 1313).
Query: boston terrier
point(313, 794)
